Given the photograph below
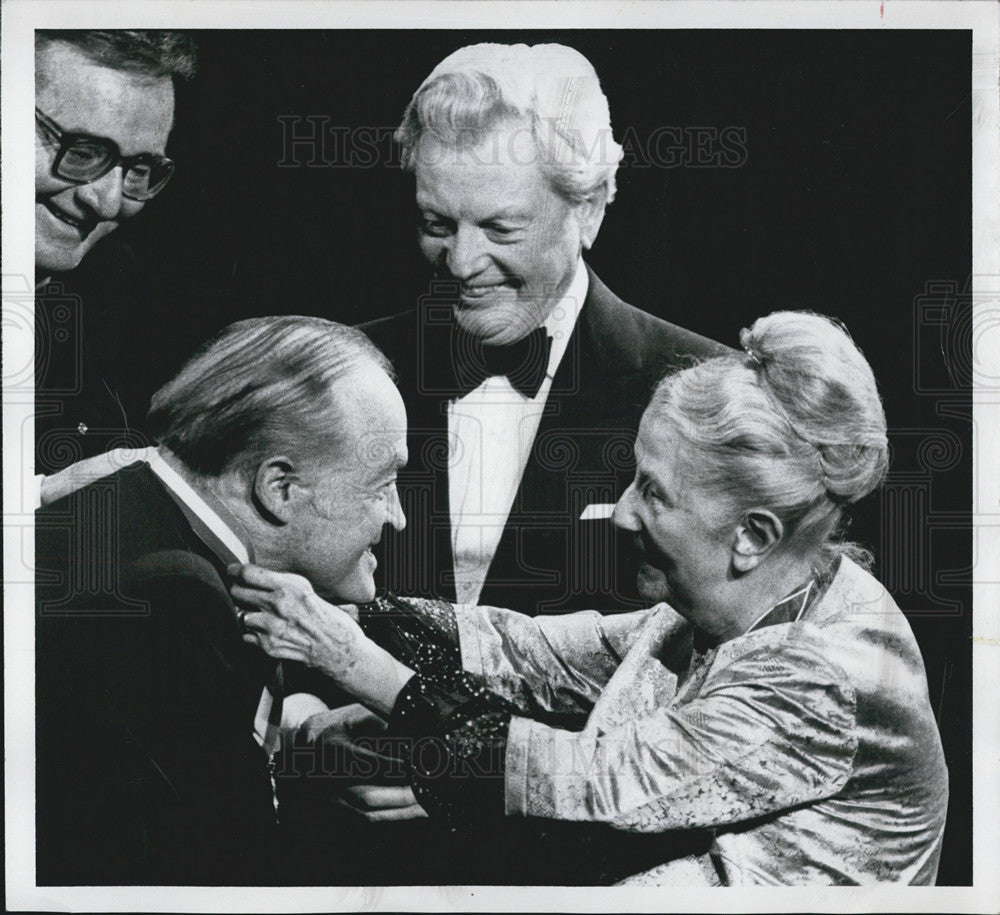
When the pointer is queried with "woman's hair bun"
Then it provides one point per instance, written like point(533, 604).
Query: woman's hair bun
point(822, 382)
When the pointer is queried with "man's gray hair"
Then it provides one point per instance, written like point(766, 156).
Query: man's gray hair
point(550, 88)
point(260, 385)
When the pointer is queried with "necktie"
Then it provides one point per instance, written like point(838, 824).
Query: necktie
point(524, 362)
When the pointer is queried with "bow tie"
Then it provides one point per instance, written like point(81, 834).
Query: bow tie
point(524, 362)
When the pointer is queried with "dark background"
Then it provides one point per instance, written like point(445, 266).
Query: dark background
point(853, 199)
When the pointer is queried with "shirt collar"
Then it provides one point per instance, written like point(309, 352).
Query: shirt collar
point(562, 319)
point(218, 531)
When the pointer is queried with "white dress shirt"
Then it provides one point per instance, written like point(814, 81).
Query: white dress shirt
point(491, 430)
point(183, 490)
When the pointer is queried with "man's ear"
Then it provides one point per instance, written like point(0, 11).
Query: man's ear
point(278, 489)
point(590, 215)
point(757, 534)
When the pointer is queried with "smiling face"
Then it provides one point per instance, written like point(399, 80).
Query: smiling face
point(489, 218)
point(685, 559)
point(352, 494)
point(82, 96)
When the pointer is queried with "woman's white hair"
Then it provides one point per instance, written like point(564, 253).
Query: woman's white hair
point(793, 424)
point(551, 88)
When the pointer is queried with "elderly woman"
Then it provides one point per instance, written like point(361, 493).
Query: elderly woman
point(773, 694)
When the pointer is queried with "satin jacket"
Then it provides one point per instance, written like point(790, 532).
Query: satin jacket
point(806, 747)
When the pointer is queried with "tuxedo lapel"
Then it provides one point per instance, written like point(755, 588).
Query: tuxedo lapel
point(567, 442)
point(548, 559)
point(197, 538)
point(581, 455)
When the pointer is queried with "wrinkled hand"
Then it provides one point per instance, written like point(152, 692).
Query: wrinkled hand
point(347, 724)
point(350, 729)
point(82, 473)
point(289, 621)
point(381, 803)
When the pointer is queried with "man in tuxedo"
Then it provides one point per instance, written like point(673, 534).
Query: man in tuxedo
point(524, 379)
point(524, 376)
point(104, 110)
point(157, 722)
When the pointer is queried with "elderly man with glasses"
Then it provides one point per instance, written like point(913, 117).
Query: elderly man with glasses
point(83, 160)
point(104, 110)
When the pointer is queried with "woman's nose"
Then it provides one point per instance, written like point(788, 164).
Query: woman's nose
point(394, 513)
point(624, 515)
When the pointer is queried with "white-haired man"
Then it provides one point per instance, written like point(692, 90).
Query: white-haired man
point(524, 377)
point(156, 724)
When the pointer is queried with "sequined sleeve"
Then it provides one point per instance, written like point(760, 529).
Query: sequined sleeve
point(421, 633)
point(552, 668)
point(454, 742)
point(448, 728)
point(547, 665)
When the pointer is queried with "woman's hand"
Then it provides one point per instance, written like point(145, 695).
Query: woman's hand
point(345, 724)
point(353, 731)
point(381, 803)
point(289, 621)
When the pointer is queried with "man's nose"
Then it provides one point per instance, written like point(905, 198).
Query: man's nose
point(103, 196)
point(394, 514)
point(624, 515)
point(464, 257)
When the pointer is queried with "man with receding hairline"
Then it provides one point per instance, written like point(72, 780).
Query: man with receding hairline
point(157, 725)
point(104, 108)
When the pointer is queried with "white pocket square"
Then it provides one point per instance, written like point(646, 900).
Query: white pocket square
point(597, 511)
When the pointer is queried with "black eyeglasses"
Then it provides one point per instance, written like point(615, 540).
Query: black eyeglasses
point(83, 158)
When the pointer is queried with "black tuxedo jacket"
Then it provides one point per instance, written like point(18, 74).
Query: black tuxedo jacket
point(548, 559)
point(147, 770)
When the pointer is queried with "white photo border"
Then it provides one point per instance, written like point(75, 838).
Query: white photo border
point(21, 17)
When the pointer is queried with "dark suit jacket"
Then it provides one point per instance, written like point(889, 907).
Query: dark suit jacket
point(92, 386)
point(147, 771)
point(93, 383)
point(548, 560)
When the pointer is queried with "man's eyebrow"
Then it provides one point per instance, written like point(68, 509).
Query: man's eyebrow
point(424, 204)
point(388, 473)
point(502, 215)
point(510, 215)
